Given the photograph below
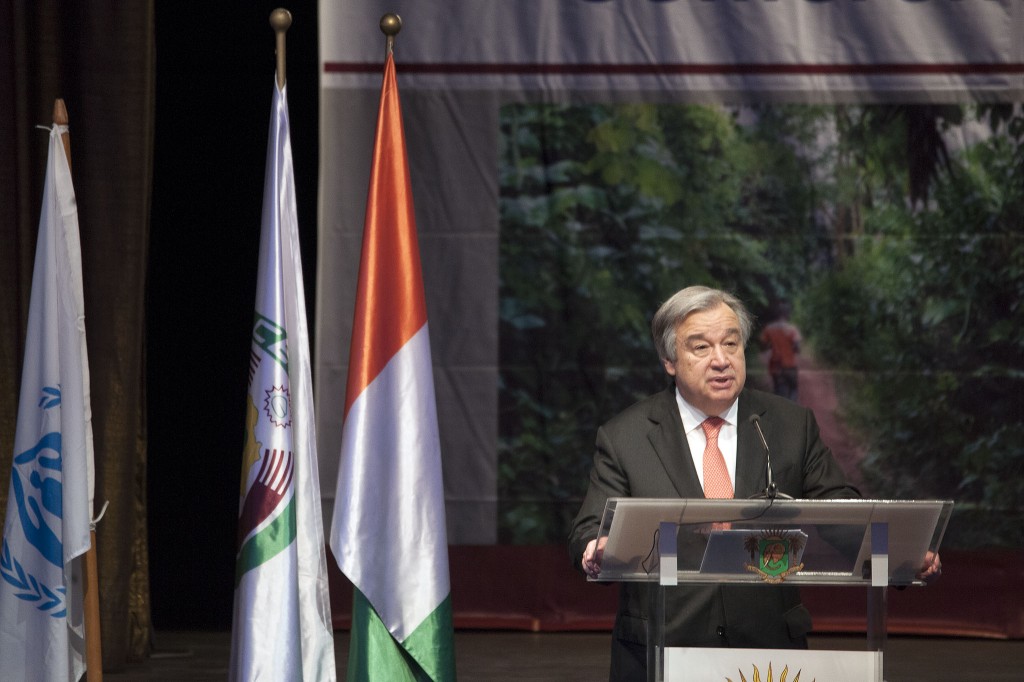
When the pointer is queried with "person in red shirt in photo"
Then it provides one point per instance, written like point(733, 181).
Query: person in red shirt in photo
point(782, 339)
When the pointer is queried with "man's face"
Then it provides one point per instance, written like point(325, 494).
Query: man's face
point(710, 368)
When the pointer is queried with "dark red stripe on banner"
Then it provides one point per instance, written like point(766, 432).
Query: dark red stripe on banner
point(478, 68)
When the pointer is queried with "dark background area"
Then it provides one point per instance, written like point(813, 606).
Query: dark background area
point(214, 84)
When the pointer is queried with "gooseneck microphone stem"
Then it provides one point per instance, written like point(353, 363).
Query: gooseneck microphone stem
point(771, 490)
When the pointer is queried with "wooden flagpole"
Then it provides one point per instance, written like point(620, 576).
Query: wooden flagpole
point(91, 597)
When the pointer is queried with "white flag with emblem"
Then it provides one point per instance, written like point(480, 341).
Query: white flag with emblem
point(49, 504)
point(282, 618)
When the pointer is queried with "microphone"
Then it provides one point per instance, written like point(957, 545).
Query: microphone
point(771, 491)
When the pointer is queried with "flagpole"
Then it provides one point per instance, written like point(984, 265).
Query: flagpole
point(281, 625)
point(91, 598)
point(280, 20)
point(390, 478)
point(60, 117)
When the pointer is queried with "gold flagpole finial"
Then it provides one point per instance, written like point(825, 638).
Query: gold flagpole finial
point(280, 20)
point(390, 25)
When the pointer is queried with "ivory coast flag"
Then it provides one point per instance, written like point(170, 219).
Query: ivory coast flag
point(281, 628)
point(388, 531)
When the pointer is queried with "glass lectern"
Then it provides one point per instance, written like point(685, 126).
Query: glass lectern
point(871, 544)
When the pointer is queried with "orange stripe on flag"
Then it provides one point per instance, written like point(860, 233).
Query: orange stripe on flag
point(390, 306)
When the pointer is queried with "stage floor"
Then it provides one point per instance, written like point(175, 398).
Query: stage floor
point(505, 656)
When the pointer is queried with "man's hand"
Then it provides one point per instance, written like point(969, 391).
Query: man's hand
point(931, 569)
point(592, 556)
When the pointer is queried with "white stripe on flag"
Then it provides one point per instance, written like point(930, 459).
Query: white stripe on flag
point(388, 531)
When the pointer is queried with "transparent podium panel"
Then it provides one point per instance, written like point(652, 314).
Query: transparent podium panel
point(871, 544)
point(827, 542)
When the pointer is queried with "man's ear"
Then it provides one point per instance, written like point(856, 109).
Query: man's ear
point(669, 367)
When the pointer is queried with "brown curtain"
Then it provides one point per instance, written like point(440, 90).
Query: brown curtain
point(99, 58)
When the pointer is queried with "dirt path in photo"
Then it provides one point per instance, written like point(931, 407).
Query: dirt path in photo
point(818, 392)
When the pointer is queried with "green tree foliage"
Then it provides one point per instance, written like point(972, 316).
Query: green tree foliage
point(927, 317)
point(606, 211)
point(902, 253)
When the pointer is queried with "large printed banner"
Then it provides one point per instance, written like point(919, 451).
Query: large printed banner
point(574, 162)
point(936, 47)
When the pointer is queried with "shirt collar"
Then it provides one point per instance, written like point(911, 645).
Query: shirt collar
point(692, 417)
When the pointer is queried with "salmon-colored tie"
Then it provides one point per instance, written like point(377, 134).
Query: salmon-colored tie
point(717, 483)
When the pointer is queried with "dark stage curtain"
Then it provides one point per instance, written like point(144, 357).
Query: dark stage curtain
point(99, 57)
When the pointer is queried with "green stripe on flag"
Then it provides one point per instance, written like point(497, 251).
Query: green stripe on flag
point(374, 654)
point(269, 542)
point(432, 643)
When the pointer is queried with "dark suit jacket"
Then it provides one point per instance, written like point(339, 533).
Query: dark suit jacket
point(642, 452)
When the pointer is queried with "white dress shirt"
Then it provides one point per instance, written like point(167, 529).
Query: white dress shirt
point(695, 438)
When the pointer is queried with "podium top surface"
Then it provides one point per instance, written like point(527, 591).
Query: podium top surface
point(838, 547)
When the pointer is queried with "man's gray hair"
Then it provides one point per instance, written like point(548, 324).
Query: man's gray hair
point(691, 300)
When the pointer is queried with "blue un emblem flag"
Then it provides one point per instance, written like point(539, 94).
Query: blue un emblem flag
point(49, 505)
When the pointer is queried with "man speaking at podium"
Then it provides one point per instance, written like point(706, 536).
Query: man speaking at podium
point(696, 439)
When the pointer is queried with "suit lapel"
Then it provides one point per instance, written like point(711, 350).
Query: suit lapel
point(667, 438)
point(750, 458)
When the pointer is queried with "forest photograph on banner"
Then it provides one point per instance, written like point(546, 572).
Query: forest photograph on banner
point(889, 235)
